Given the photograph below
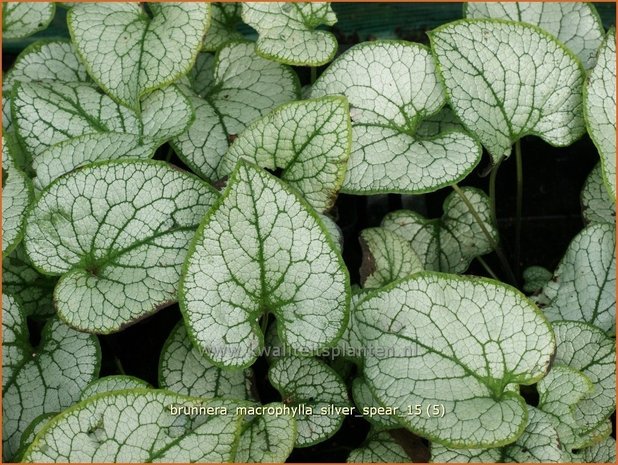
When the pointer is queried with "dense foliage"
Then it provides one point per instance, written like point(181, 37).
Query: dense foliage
point(187, 169)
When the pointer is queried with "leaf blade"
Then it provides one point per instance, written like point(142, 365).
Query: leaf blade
point(600, 109)
point(309, 140)
point(287, 31)
point(153, 52)
point(261, 273)
point(118, 249)
point(474, 355)
point(391, 87)
point(502, 91)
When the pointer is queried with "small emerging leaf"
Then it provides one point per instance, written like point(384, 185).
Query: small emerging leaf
point(535, 279)
point(22, 19)
point(455, 342)
point(449, 243)
point(287, 31)
point(262, 249)
point(117, 248)
point(505, 80)
point(309, 140)
point(600, 109)
point(130, 53)
point(576, 24)
point(392, 86)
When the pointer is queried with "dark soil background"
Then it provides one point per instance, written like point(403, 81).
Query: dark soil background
point(553, 178)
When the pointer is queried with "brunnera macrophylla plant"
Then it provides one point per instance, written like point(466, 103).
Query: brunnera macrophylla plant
point(166, 155)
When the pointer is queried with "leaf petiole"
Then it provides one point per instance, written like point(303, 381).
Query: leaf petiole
point(492, 190)
point(501, 256)
point(519, 202)
point(487, 268)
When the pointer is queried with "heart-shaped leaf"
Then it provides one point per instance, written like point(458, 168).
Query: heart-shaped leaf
point(505, 80)
point(584, 284)
point(112, 384)
point(387, 256)
point(309, 383)
point(184, 370)
point(117, 248)
point(597, 205)
point(576, 24)
point(600, 109)
point(22, 19)
point(51, 376)
point(379, 447)
point(225, 18)
point(449, 243)
point(140, 426)
point(33, 289)
point(586, 349)
point(262, 249)
point(229, 91)
point(309, 140)
point(391, 87)
point(53, 60)
point(17, 193)
point(538, 443)
point(287, 31)
point(267, 438)
point(87, 126)
point(458, 343)
point(130, 53)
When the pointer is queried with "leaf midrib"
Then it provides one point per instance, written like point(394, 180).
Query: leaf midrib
point(496, 390)
point(97, 265)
